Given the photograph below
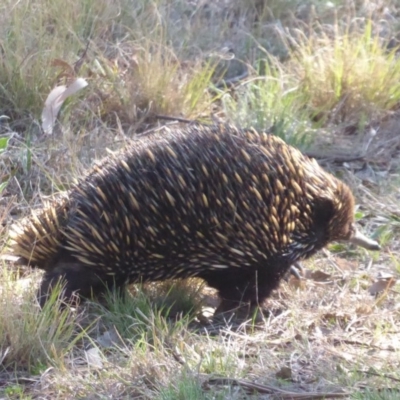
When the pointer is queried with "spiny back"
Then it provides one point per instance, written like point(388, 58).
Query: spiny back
point(184, 200)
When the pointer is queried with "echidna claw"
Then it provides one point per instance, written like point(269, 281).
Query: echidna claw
point(296, 269)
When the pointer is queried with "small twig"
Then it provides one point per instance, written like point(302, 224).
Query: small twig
point(358, 343)
point(231, 81)
point(268, 389)
point(169, 118)
point(338, 108)
point(78, 64)
point(379, 375)
point(333, 158)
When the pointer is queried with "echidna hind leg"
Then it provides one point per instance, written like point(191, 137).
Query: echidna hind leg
point(49, 283)
point(77, 281)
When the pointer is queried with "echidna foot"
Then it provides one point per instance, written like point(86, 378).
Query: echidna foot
point(233, 310)
point(296, 269)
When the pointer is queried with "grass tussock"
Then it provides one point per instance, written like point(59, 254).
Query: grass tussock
point(152, 81)
point(152, 309)
point(32, 339)
point(271, 101)
point(345, 74)
point(134, 73)
point(32, 37)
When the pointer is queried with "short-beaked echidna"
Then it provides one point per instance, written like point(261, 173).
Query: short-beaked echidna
point(234, 207)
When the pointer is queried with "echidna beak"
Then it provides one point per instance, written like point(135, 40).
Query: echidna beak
point(360, 240)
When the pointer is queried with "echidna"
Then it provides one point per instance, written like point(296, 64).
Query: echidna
point(234, 207)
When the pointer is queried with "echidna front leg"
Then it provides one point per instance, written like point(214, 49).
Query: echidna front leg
point(76, 280)
point(244, 287)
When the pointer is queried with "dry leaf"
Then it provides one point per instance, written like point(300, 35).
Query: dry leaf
point(93, 358)
point(346, 265)
point(364, 309)
point(67, 69)
point(284, 373)
point(381, 285)
point(55, 100)
point(318, 276)
point(296, 283)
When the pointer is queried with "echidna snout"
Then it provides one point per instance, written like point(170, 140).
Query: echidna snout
point(358, 239)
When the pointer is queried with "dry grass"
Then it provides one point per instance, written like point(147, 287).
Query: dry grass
point(323, 75)
point(346, 73)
